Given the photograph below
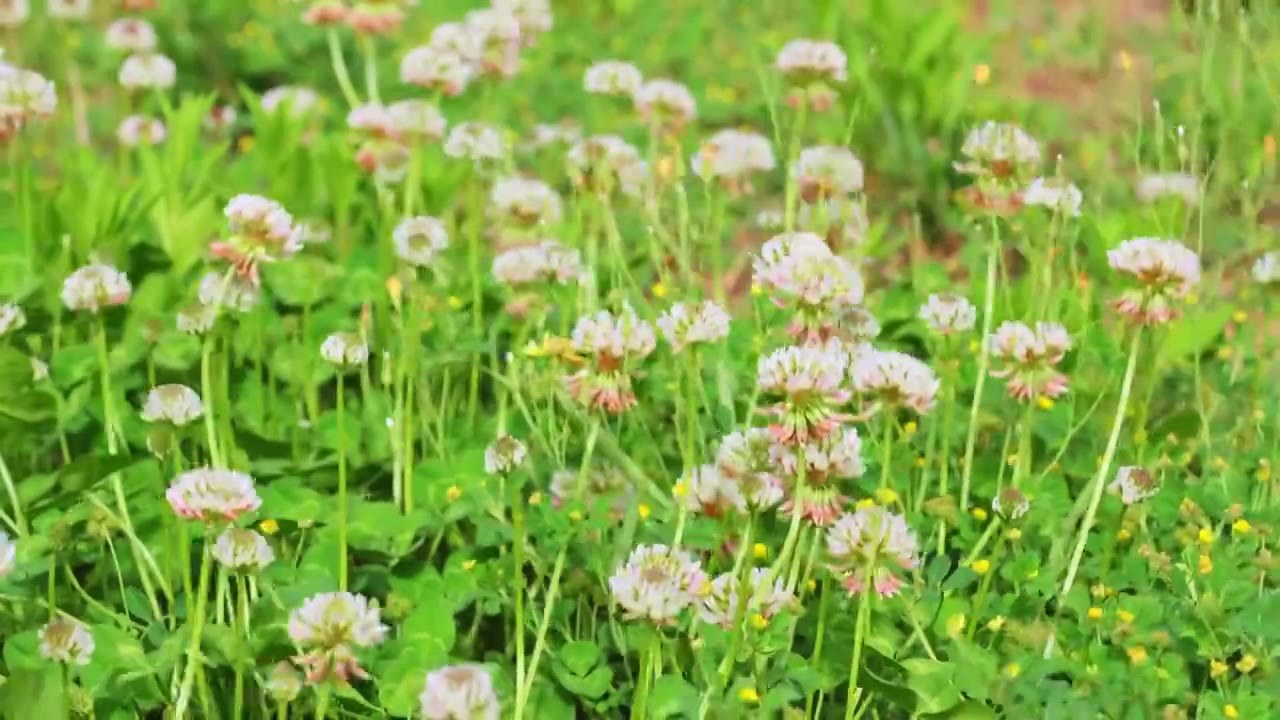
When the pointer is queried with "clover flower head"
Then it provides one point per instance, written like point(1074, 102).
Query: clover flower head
point(211, 494)
point(724, 598)
point(827, 171)
point(504, 455)
point(524, 202)
point(297, 101)
point(732, 156)
point(175, 404)
point(809, 60)
point(612, 337)
point(1026, 357)
point(137, 130)
point(800, 272)
point(711, 493)
point(533, 16)
point(327, 630)
point(12, 319)
point(325, 13)
point(691, 325)
point(416, 120)
point(656, 584)
point(603, 163)
point(67, 641)
point(458, 38)
point(374, 17)
point(436, 69)
point(24, 96)
point(419, 240)
point(69, 9)
point(613, 77)
point(460, 692)
point(1054, 194)
point(544, 262)
point(949, 314)
point(838, 219)
point(745, 457)
point(94, 287)
point(665, 101)
point(227, 292)
point(14, 12)
point(1163, 270)
point(475, 141)
point(1266, 269)
point(131, 35)
point(809, 381)
point(372, 119)
point(872, 536)
point(895, 379)
point(147, 70)
point(1010, 503)
point(1182, 186)
point(284, 684)
point(998, 151)
point(242, 551)
point(345, 349)
point(1134, 484)
point(196, 319)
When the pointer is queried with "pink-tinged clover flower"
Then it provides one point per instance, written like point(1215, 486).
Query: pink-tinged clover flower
point(213, 494)
point(657, 584)
point(875, 538)
point(1027, 358)
point(1162, 270)
point(328, 629)
point(809, 383)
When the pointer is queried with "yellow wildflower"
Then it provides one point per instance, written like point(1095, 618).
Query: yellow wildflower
point(644, 511)
point(1012, 670)
point(749, 695)
point(979, 514)
point(1218, 668)
point(468, 564)
point(1247, 663)
point(1124, 616)
point(886, 496)
point(1045, 403)
point(453, 493)
point(759, 621)
point(1230, 711)
point(1241, 527)
point(760, 550)
point(658, 289)
point(1206, 565)
point(1137, 655)
point(1095, 613)
point(269, 527)
point(980, 566)
point(981, 74)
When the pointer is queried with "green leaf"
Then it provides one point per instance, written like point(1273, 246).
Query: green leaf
point(672, 695)
point(1194, 334)
point(15, 369)
point(34, 694)
point(579, 656)
point(430, 626)
point(288, 499)
point(29, 406)
point(381, 526)
point(73, 364)
point(933, 682)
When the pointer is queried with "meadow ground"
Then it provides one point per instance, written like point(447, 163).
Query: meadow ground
point(626, 359)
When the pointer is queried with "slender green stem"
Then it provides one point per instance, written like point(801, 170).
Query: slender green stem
point(816, 659)
point(517, 561)
point(342, 483)
point(370, 67)
point(984, 362)
point(539, 644)
point(197, 627)
point(340, 69)
point(19, 520)
point(206, 390)
point(861, 628)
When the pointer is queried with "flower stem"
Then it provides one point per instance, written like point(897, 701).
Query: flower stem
point(553, 585)
point(816, 660)
point(984, 362)
point(861, 628)
point(206, 390)
point(19, 521)
point(370, 68)
point(517, 560)
point(342, 484)
point(340, 70)
point(197, 627)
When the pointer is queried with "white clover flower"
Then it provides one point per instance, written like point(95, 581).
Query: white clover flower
point(949, 314)
point(656, 584)
point(283, 684)
point(744, 457)
point(8, 554)
point(227, 292)
point(345, 349)
point(548, 134)
point(723, 602)
point(602, 163)
point(801, 273)
point(131, 35)
point(707, 491)
point(533, 16)
point(294, 100)
point(459, 39)
point(872, 532)
point(524, 202)
point(615, 336)
point(1010, 503)
point(692, 325)
point(328, 628)
point(94, 287)
point(895, 379)
point(504, 455)
point(613, 77)
point(432, 67)
point(478, 142)
point(1266, 270)
point(1026, 357)
point(419, 240)
point(261, 231)
point(460, 692)
point(372, 119)
point(149, 70)
point(497, 31)
point(137, 130)
point(12, 319)
point(256, 215)
point(666, 101)
point(14, 12)
point(243, 551)
point(998, 150)
point(826, 171)
point(417, 119)
point(835, 457)
point(1054, 194)
point(603, 483)
point(175, 404)
point(732, 156)
point(1164, 270)
point(67, 641)
point(24, 95)
point(810, 383)
point(1159, 185)
point(69, 9)
point(211, 494)
point(196, 319)
point(325, 13)
point(810, 60)
point(545, 262)
point(1134, 484)
point(220, 118)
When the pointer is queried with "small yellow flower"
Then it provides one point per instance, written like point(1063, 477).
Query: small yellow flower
point(1264, 473)
point(1123, 535)
point(1095, 613)
point(980, 566)
point(1230, 711)
point(910, 427)
point(1247, 663)
point(1225, 353)
point(1099, 590)
point(1218, 668)
point(979, 514)
point(1206, 565)
point(995, 623)
point(1137, 655)
point(680, 490)
point(886, 496)
point(453, 493)
point(981, 74)
point(659, 289)
point(759, 621)
point(468, 564)
point(575, 515)
point(535, 498)
point(1012, 670)
point(749, 695)
point(269, 527)
point(974, 346)
point(644, 511)
point(1124, 616)
point(1205, 536)
point(1013, 534)
point(919, 461)
point(955, 625)
point(811, 585)
point(1045, 403)
point(760, 550)
point(864, 503)
point(756, 290)
point(245, 143)
point(455, 302)
point(1240, 316)
point(1241, 527)
point(394, 289)
point(1012, 460)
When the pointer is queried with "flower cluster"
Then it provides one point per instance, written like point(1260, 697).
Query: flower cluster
point(611, 342)
point(213, 494)
point(816, 486)
point(545, 262)
point(504, 455)
point(613, 77)
point(136, 130)
point(1164, 270)
point(665, 103)
point(998, 151)
point(708, 491)
point(345, 350)
point(1134, 484)
point(419, 240)
point(67, 641)
point(894, 380)
point(657, 583)
point(24, 96)
point(827, 171)
point(1184, 187)
point(328, 629)
point(800, 273)
point(177, 405)
point(460, 692)
point(478, 142)
point(731, 157)
point(242, 551)
point(1056, 195)
point(1028, 357)
point(601, 483)
point(262, 231)
point(810, 383)
point(604, 163)
point(692, 325)
point(724, 601)
point(12, 319)
point(524, 202)
point(1266, 269)
point(746, 458)
point(811, 67)
point(94, 287)
point(876, 540)
point(948, 314)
